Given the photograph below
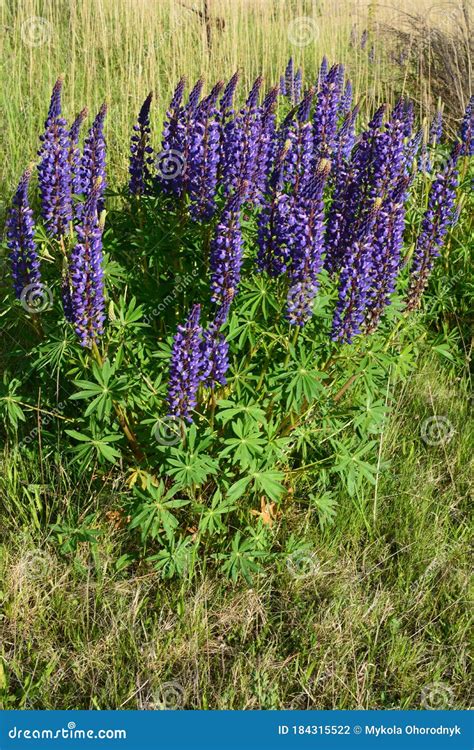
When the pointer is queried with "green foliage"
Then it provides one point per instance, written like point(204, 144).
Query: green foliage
point(300, 417)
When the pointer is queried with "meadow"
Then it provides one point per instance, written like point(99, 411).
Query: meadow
point(234, 473)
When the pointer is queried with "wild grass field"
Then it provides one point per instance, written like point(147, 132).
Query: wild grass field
point(358, 590)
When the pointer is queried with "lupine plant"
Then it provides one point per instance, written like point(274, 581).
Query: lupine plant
point(230, 318)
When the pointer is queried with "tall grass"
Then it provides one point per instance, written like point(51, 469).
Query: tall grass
point(119, 50)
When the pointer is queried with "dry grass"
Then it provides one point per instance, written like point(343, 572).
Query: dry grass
point(118, 50)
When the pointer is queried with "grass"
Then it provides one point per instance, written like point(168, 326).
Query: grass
point(119, 50)
point(376, 616)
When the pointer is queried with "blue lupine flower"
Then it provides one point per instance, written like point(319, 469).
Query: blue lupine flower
point(83, 292)
point(186, 367)
point(20, 231)
point(226, 251)
point(437, 220)
point(93, 164)
point(467, 130)
point(141, 151)
point(54, 168)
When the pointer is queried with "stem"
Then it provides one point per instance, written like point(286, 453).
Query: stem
point(292, 343)
point(121, 415)
point(213, 407)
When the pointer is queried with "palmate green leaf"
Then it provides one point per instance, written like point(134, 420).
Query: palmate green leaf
point(10, 406)
point(303, 382)
point(191, 465)
point(245, 330)
point(103, 391)
point(128, 315)
point(241, 379)
point(228, 410)
point(92, 446)
point(211, 520)
point(326, 506)
point(242, 559)
point(247, 444)
point(352, 468)
point(370, 415)
point(155, 512)
point(266, 481)
point(176, 559)
point(259, 300)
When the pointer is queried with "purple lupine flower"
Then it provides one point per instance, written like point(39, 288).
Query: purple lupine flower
point(225, 259)
point(375, 235)
point(266, 136)
point(467, 130)
point(93, 164)
point(185, 367)
point(326, 113)
point(345, 140)
point(371, 55)
point(290, 80)
point(300, 163)
point(436, 128)
point(274, 220)
point(203, 157)
point(215, 351)
point(413, 149)
point(354, 282)
point(350, 205)
point(54, 169)
point(363, 39)
point(140, 150)
point(20, 231)
point(386, 253)
point(85, 274)
point(282, 86)
point(227, 101)
point(194, 97)
point(409, 117)
point(75, 152)
point(323, 71)
point(170, 161)
point(437, 219)
point(241, 137)
point(345, 104)
point(298, 85)
point(307, 247)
